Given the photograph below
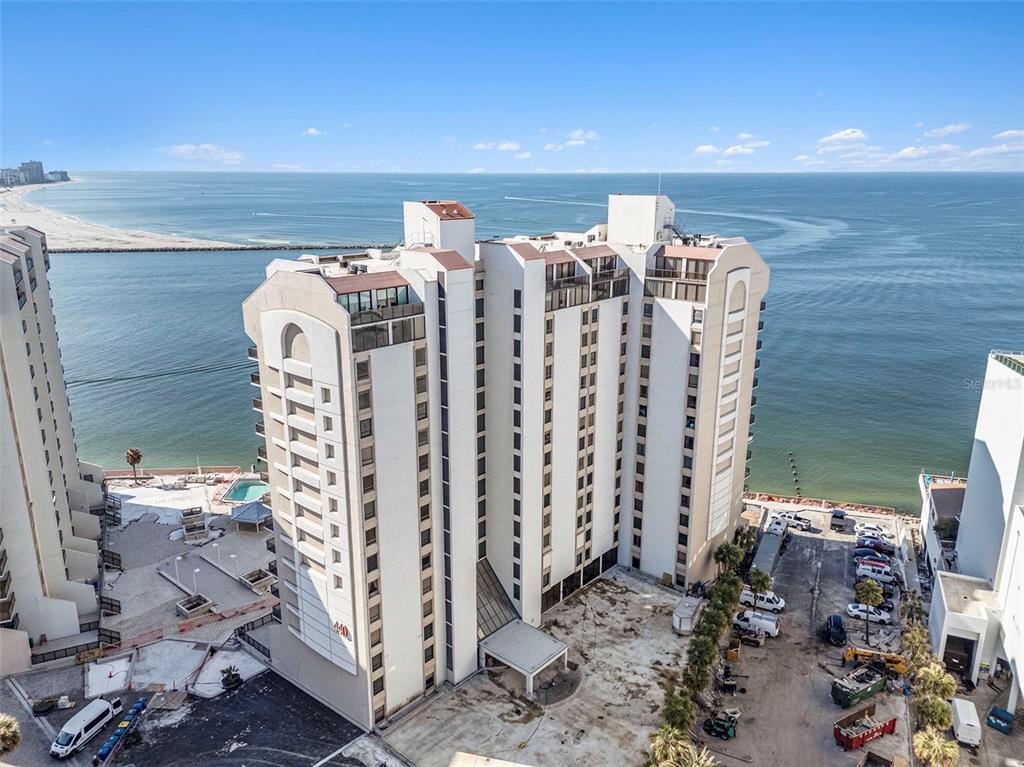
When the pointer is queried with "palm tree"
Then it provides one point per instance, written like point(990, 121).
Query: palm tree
point(934, 712)
point(746, 537)
point(10, 734)
point(868, 593)
point(917, 647)
point(760, 583)
point(679, 711)
point(913, 607)
point(933, 679)
point(932, 748)
point(728, 556)
point(133, 457)
point(669, 748)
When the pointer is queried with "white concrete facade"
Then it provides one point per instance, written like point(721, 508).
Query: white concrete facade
point(977, 612)
point(557, 390)
point(48, 539)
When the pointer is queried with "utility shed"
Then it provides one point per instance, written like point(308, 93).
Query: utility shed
point(685, 616)
point(525, 649)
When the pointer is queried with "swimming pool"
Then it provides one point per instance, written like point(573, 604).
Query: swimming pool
point(245, 490)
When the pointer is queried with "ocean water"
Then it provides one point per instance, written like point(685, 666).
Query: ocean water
point(887, 292)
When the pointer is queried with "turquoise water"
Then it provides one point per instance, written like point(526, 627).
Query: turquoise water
point(245, 490)
point(887, 293)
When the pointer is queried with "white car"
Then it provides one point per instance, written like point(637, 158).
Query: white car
point(791, 518)
point(873, 614)
point(869, 530)
point(776, 527)
point(767, 600)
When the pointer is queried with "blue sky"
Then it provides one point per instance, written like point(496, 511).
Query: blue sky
point(531, 87)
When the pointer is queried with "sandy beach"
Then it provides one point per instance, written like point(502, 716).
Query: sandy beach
point(64, 232)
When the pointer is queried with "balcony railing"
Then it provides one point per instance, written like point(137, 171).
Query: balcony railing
point(257, 403)
point(763, 306)
point(271, 547)
point(7, 613)
point(753, 401)
point(261, 452)
point(3, 563)
point(261, 428)
point(758, 345)
point(254, 379)
point(253, 353)
point(572, 281)
point(675, 274)
point(754, 384)
point(752, 419)
point(393, 312)
point(760, 324)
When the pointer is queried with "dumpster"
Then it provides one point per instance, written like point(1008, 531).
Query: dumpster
point(861, 727)
point(857, 686)
point(1000, 719)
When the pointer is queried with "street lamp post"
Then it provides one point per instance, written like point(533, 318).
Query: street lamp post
point(234, 559)
point(195, 580)
point(176, 576)
point(216, 548)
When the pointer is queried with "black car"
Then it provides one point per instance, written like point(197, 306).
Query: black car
point(838, 521)
point(877, 544)
point(835, 631)
point(866, 553)
point(887, 605)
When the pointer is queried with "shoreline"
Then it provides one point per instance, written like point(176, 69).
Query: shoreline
point(68, 234)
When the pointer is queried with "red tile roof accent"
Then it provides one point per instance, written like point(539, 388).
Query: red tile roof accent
point(690, 251)
point(353, 283)
point(526, 250)
point(594, 251)
point(449, 210)
point(451, 260)
point(558, 257)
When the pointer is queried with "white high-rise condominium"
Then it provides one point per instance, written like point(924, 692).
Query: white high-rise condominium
point(461, 434)
point(48, 538)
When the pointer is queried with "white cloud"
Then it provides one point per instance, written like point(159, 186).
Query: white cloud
point(911, 153)
point(745, 136)
point(757, 144)
point(46, 143)
point(840, 147)
point(706, 149)
point(802, 158)
point(847, 134)
point(997, 150)
point(285, 166)
point(475, 170)
point(313, 132)
point(1009, 135)
point(578, 137)
point(502, 146)
point(943, 148)
point(738, 149)
point(947, 130)
point(714, 129)
point(524, 155)
point(203, 153)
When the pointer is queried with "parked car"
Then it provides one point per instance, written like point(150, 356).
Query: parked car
point(767, 600)
point(792, 518)
point(749, 619)
point(878, 544)
point(888, 590)
point(867, 553)
point(887, 605)
point(873, 614)
point(776, 527)
point(966, 726)
point(869, 528)
point(84, 726)
point(875, 571)
point(838, 520)
point(835, 631)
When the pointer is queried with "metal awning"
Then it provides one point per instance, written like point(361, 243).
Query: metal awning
point(525, 649)
point(254, 513)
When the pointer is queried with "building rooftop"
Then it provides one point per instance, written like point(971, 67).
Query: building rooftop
point(966, 595)
point(948, 498)
point(451, 260)
point(449, 210)
point(353, 283)
point(708, 252)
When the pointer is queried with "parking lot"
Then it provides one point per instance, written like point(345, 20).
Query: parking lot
point(787, 709)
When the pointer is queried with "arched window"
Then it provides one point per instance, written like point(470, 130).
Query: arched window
point(296, 345)
point(738, 296)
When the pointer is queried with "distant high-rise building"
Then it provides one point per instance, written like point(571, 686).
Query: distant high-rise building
point(33, 170)
point(48, 538)
point(57, 175)
point(459, 435)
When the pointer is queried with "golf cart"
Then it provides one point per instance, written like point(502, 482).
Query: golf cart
point(722, 723)
point(753, 637)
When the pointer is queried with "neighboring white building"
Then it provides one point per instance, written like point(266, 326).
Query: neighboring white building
point(459, 432)
point(48, 538)
point(977, 609)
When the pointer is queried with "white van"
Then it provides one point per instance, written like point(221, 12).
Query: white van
point(748, 619)
point(875, 571)
point(966, 726)
point(83, 726)
point(767, 600)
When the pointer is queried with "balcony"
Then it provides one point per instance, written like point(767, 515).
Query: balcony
point(758, 345)
point(754, 383)
point(254, 379)
point(272, 566)
point(675, 274)
point(7, 611)
point(271, 546)
point(760, 325)
point(261, 428)
point(265, 476)
point(752, 419)
point(746, 473)
point(257, 404)
point(763, 306)
point(253, 354)
point(393, 312)
point(3, 563)
point(753, 401)
point(757, 363)
point(749, 453)
point(261, 452)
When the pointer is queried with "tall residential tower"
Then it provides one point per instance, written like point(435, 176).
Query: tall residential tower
point(461, 434)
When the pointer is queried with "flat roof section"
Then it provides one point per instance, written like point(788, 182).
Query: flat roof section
point(451, 260)
point(353, 283)
point(948, 499)
point(691, 251)
point(558, 257)
point(522, 647)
